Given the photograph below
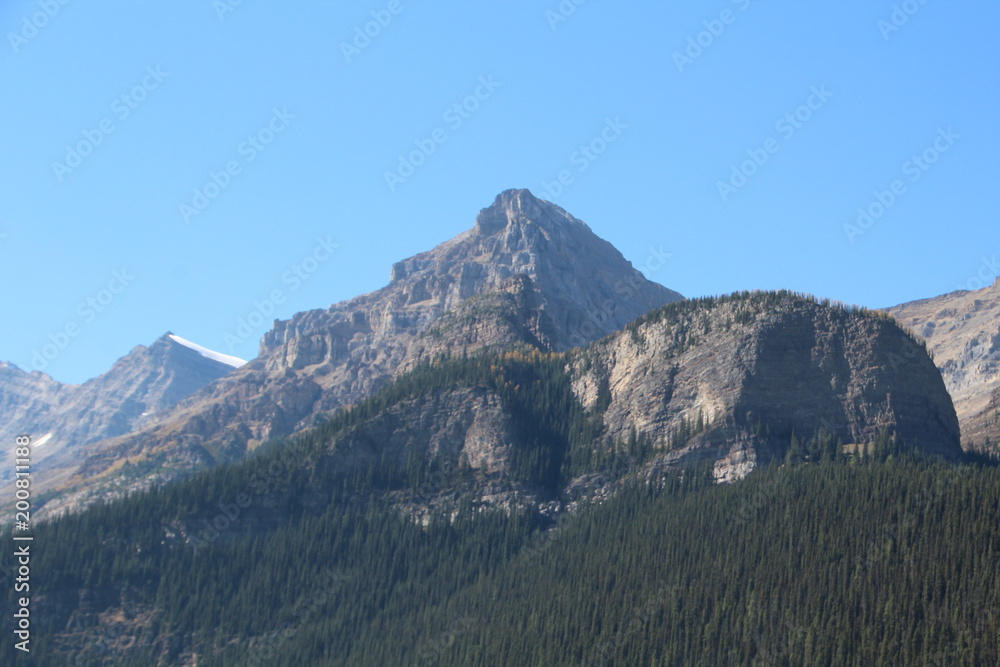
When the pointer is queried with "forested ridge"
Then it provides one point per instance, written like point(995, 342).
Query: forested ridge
point(875, 562)
point(825, 559)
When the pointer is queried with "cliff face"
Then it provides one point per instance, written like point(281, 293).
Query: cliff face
point(754, 369)
point(962, 331)
point(527, 272)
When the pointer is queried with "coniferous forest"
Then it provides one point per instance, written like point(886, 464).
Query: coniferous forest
point(819, 559)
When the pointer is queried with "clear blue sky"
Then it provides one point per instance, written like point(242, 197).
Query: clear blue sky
point(198, 82)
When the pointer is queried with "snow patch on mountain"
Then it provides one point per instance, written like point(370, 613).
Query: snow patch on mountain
point(229, 360)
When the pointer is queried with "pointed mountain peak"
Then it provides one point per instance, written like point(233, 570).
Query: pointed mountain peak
point(165, 339)
point(519, 207)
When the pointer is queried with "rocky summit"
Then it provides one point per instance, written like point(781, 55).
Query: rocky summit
point(527, 274)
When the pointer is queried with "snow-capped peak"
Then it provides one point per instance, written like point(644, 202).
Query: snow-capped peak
point(229, 360)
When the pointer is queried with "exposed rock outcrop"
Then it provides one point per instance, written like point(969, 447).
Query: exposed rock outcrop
point(527, 273)
point(731, 382)
point(750, 370)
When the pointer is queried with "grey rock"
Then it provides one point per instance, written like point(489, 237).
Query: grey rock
point(962, 332)
point(527, 273)
point(786, 364)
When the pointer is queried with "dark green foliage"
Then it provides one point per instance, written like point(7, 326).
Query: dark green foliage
point(872, 562)
point(690, 315)
point(824, 445)
point(830, 564)
point(877, 559)
point(558, 440)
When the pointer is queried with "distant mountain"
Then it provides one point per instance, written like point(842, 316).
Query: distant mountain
point(527, 274)
point(962, 330)
point(138, 387)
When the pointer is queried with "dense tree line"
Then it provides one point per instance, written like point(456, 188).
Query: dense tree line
point(824, 560)
point(878, 562)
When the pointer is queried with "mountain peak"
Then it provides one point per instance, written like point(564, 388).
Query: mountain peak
point(578, 278)
point(528, 274)
point(520, 206)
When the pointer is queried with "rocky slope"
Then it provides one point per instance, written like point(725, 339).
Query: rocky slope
point(528, 273)
point(751, 370)
point(730, 382)
point(142, 384)
point(962, 332)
